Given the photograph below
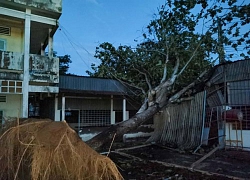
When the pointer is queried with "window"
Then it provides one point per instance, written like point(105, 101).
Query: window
point(5, 30)
point(95, 117)
point(3, 99)
point(14, 87)
point(2, 44)
point(245, 123)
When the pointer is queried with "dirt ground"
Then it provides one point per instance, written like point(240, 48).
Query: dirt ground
point(158, 162)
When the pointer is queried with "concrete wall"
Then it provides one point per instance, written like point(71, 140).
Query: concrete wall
point(11, 60)
point(12, 107)
point(14, 42)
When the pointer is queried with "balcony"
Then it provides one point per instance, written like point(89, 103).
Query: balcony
point(42, 68)
point(53, 6)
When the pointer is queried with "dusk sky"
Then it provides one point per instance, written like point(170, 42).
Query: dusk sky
point(86, 23)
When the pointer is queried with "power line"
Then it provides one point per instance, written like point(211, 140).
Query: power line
point(73, 44)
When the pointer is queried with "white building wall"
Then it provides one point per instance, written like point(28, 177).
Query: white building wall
point(234, 135)
point(12, 107)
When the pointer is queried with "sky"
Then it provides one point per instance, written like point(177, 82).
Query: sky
point(84, 24)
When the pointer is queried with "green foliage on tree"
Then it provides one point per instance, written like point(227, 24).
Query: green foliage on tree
point(184, 32)
point(177, 46)
point(64, 62)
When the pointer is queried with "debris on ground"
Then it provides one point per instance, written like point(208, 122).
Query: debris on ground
point(152, 162)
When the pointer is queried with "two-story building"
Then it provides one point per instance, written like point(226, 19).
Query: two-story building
point(27, 75)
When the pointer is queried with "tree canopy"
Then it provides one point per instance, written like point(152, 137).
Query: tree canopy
point(193, 32)
point(64, 62)
point(182, 41)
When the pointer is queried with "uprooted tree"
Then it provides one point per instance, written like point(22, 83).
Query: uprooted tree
point(45, 149)
point(178, 48)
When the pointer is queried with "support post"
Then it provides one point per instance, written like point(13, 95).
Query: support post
point(25, 85)
point(124, 115)
point(63, 108)
point(112, 113)
point(42, 50)
point(56, 118)
point(50, 44)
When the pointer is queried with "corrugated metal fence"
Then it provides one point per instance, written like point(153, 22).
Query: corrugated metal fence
point(184, 122)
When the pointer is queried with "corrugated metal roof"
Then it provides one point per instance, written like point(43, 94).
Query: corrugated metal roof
point(235, 71)
point(90, 84)
point(239, 92)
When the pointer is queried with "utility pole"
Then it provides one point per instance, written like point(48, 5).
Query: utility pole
point(221, 122)
point(220, 39)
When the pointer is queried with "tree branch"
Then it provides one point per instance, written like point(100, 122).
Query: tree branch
point(129, 84)
point(177, 64)
point(143, 107)
point(190, 58)
point(146, 78)
point(176, 96)
point(137, 87)
point(165, 68)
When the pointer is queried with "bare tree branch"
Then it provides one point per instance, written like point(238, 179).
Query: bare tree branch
point(146, 77)
point(183, 90)
point(132, 85)
point(190, 58)
point(129, 84)
point(165, 67)
point(177, 64)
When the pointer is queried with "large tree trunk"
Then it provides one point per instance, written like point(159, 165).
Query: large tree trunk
point(105, 137)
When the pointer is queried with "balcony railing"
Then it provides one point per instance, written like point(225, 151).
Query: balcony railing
point(42, 68)
point(48, 5)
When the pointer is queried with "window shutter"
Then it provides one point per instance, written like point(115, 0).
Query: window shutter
point(3, 99)
point(5, 30)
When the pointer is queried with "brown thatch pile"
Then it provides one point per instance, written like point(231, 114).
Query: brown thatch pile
point(48, 150)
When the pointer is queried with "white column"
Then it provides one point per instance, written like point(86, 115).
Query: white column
point(50, 44)
point(42, 50)
point(112, 113)
point(63, 108)
point(56, 109)
point(25, 85)
point(124, 115)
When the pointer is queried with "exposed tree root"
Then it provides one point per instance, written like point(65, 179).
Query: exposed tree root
point(47, 150)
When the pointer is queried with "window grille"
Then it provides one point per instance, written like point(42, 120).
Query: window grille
point(246, 117)
point(215, 114)
point(95, 117)
point(12, 87)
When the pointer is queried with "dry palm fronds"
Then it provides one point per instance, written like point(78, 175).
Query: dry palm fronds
point(48, 150)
